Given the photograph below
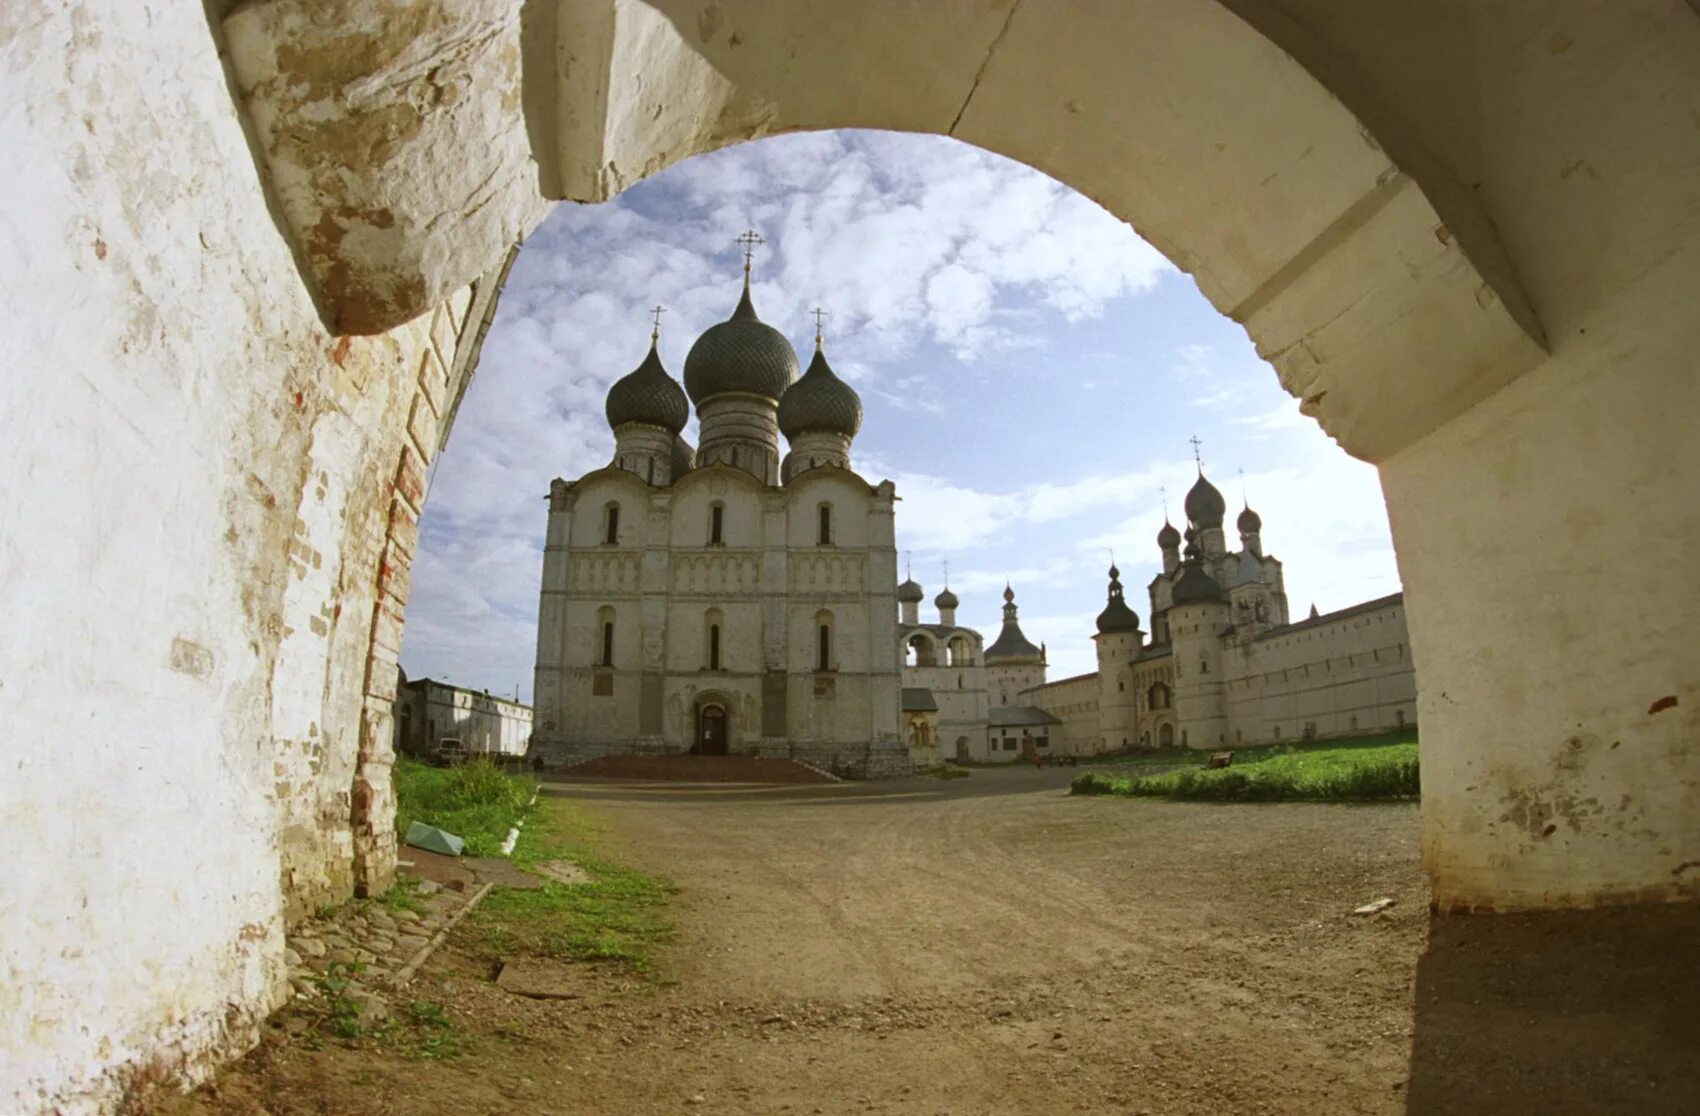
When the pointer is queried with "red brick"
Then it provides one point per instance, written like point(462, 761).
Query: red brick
point(410, 478)
point(422, 427)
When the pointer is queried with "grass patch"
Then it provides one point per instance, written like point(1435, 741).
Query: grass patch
point(472, 800)
point(619, 918)
point(1365, 770)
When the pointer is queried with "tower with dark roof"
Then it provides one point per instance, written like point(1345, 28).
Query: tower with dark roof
point(1013, 664)
point(1119, 644)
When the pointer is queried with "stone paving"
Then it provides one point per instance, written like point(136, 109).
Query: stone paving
point(368, 943)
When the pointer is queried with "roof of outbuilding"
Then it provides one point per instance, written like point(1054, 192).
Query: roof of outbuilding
point(1012, 716)
point(919, 699)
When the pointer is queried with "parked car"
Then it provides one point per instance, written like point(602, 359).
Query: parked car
point(448, 752)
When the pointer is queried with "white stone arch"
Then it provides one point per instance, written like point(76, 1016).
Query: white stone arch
point(925, 647)
point(1169, 113)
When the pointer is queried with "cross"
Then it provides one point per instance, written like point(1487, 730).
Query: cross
point(655, 312)
point(1164, 489)
point(749, 240)
point(818, 314)
point(947, 573)
point(908, 565)
point(1196, 457)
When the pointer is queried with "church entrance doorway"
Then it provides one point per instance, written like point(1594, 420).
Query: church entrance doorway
point(1166, 735)
point(711, 730)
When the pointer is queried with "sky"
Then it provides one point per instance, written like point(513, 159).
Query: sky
point(1031, 374)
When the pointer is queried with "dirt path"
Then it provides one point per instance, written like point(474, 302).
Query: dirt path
point(994, 946)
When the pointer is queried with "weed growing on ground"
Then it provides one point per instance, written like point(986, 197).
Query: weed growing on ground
point(474, 800)
point(337, 1011)
point(618, 918)
point(1372, 769)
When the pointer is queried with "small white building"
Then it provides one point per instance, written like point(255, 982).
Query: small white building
point(428, 712)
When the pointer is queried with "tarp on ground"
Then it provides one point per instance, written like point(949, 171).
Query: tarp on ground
point(432, 839)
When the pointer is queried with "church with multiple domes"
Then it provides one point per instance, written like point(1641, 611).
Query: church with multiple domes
point(1224, 665)
point(727, 599)
point(724, 599)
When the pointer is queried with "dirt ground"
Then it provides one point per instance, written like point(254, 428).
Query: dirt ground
point(991, 945)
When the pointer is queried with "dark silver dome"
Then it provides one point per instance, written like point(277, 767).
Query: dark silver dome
point(1196, 587)
point(1249, 522)
point(1204, 504)
point(649, 395)
point(742, 354)
point(945, 601)
point(910, 592)
point(1168, 538)
point(820, 401)
point(1117, 616)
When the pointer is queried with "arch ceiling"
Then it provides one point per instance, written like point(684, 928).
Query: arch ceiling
point(411, 145)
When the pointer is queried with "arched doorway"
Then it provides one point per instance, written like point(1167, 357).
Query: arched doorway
point(711, 730)
point(1166, 735)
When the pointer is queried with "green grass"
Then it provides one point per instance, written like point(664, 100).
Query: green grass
point(618, 919)
point(1363, 770)
point(472, 800)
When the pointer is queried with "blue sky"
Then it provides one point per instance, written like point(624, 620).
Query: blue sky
point(1030, 369)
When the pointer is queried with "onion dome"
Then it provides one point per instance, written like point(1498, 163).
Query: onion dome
point(910, 592)
point(684, 457)
point(648, 395)
point(1249, 522)
point(1194, 586)
point(946, 600)
point(1117, 617)
point(820, 401)
point(1168, 538)
point(1204, 504)
point(742, 354)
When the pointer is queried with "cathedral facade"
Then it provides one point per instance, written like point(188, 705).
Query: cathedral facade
point(724, 599)
point(1225, 666)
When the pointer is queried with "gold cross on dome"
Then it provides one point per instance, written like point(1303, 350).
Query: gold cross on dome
point(749, 240)
point(818, 315)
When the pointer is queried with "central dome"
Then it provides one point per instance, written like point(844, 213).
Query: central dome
point(1204, 504)
point(741, 354)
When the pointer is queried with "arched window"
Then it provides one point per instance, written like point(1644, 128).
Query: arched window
point(605, 627)
point(1157, 697)
point(926, 654)
point(611, 523)
point(1203, 665)
point(823, 641)
point(712, 624)
point(824, 535)
point(716, 523)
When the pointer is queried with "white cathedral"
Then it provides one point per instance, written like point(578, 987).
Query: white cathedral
point(724, 600)
point(728, 600)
